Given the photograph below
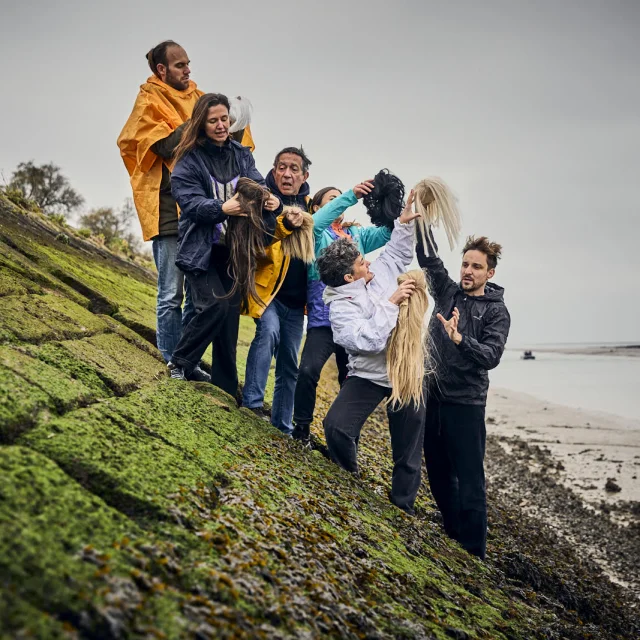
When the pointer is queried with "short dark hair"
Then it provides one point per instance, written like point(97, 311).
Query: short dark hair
point(158, 55)
point(492, 250)
point(306, 163)
point(336, 261)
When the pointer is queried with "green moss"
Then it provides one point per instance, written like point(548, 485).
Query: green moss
point(117, 362)
point(56, 355)
point(35, 318)
point(76, 571)
point(18, 266)
point(28, 387)
point(13, 284)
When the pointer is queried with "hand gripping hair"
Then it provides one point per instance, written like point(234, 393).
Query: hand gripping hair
point(385, 202)
point(437, 205)
point(245, 238)
point(300, 243)
point(407, 348)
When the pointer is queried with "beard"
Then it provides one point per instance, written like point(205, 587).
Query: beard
point(175, 82)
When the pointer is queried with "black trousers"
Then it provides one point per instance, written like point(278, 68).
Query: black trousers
point(343, 423)
point(318, 347)
point(216, 321)
point(454, 446)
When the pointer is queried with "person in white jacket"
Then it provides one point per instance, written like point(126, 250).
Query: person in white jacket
point(363, 300)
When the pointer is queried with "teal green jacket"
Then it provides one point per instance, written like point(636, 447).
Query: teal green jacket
point(366, 238)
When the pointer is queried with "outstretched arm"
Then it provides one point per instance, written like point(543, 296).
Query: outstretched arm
point(438, 276)
point(323, 218)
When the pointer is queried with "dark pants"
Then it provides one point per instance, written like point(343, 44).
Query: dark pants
point(454, 445)
point(318, 348)
point(215, 321)
point(342, 425)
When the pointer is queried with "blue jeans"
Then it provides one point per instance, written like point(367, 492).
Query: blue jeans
point(279, 333)
point(170, 318)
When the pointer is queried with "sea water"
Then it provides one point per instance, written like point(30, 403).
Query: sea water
point(593, 382)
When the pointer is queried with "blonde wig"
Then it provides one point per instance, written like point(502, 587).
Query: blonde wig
point(300, 243)
point(437, 205)
point(407, 348)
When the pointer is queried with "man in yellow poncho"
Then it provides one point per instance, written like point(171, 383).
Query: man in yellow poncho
point(147, 142)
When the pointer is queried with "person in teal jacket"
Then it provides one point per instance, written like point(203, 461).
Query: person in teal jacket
point(328, 207)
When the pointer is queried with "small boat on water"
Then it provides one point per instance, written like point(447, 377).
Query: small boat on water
point(527, 355)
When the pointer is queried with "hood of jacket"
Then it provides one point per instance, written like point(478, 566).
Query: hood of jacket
point(349, 291)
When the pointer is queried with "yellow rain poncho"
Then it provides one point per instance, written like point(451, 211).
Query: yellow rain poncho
point(158, 111)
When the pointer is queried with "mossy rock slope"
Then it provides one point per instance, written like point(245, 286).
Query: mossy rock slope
point(134, 506)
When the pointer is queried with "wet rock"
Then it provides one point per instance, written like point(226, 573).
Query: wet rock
point(612, 486)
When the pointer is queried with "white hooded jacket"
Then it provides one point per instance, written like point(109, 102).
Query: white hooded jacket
point(362, 318)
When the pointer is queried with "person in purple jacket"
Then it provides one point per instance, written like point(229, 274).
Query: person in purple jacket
point(319, 344)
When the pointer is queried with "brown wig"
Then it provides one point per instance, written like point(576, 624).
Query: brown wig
point(245, 238)
point(194, 134)
point(407, 348)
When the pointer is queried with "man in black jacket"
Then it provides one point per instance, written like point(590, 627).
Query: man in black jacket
point(463, 347)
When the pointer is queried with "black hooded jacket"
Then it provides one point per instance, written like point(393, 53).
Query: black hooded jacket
point(293, 292)
point(460, 374)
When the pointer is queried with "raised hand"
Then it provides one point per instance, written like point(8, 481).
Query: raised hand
point(363, 188)
point(272, 203)
point(403, 292)
point(451, 325)
point(295, 217)
point(408, 214)
point(232, 207)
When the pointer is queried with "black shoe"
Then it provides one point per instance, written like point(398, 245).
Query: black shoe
point(260, 412)
point(176, 372)
point(302, 434)
point(199, 375)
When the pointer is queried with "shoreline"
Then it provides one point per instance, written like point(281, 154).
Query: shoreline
point(626, 351)
point(576, 470)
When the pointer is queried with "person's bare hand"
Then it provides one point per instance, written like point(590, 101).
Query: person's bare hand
point(272, 203)
point(451, 325)
point(295, 217)
point(403, 292)
point(232, 207)
point(363, 188)
point(408, 214)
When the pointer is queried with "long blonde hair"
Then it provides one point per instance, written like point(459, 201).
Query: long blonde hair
point(407, 348)
point(437, 205)
point(300, 243)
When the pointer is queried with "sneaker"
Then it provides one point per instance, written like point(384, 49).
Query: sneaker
point(176, 372)
point(260, 412)
point(199, 375)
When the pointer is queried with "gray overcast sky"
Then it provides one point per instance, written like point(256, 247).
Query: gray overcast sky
point(529, 110)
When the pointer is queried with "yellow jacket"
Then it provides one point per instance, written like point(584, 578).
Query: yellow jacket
point(158, 111)
point(270, 271)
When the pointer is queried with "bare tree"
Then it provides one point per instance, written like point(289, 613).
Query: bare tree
point(46, 186)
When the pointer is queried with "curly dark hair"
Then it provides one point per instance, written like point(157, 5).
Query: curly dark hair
point(385, 202)
point(336, 261)
point(492, 250)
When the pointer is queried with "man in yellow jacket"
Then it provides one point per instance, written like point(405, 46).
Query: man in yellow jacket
point(147, 142)
point(282, 285)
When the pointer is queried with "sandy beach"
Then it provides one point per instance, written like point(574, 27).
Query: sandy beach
point(577, 470)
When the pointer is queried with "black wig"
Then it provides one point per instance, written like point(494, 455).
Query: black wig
point(385, 203)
